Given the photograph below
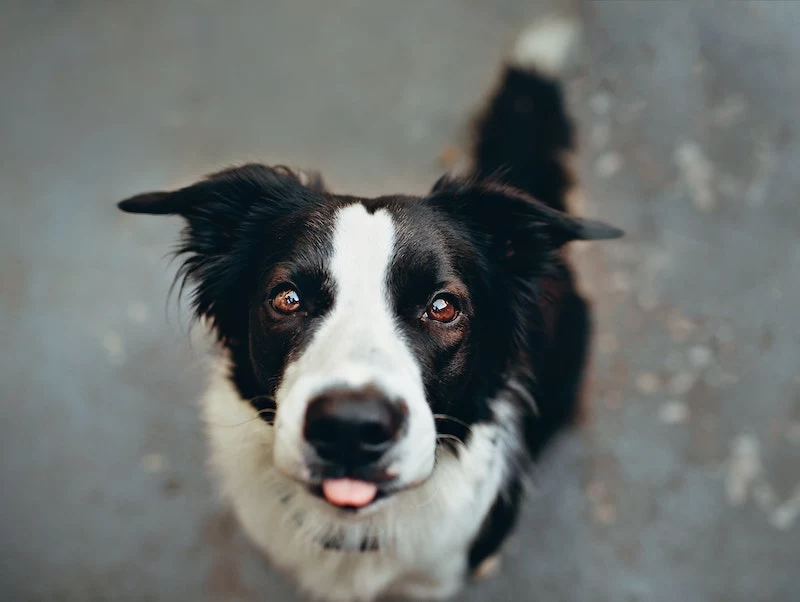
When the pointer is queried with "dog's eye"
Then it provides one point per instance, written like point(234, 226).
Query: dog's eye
point(442, 309)
point(287, 301)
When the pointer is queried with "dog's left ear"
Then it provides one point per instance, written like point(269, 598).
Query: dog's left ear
point(504, 212)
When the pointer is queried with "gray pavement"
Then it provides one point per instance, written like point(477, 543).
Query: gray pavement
point(683, 484)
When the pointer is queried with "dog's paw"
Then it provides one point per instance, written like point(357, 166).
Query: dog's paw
point(488, 568)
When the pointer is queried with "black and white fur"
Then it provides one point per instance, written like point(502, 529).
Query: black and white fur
point(483, 394)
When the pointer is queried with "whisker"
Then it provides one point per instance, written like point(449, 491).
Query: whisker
point(452, 419)
point(269, 412)
point(434, 486)
point(525, 394)
point(448, 437)
point(259, 414)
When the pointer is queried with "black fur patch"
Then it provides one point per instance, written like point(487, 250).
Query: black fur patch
point(497, 525)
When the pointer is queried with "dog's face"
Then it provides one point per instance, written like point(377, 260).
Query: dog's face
point(356, 326)
point(345, 330)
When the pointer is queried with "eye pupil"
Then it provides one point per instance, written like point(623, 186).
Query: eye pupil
point(287, 301)
point(442, 310)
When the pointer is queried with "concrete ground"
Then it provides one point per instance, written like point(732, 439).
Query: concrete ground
point(682, 485)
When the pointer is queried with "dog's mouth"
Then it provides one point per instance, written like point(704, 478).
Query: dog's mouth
point(348, 494)
point(354, 495)
point(353, 490)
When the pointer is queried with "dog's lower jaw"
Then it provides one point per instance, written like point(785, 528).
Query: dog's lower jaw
point(423, 534)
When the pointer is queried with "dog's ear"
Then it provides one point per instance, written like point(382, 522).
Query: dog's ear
point(227, 191)
point(229, 215)
point(510, 215)
point(220, 208)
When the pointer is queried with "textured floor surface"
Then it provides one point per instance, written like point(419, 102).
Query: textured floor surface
point(685, 482)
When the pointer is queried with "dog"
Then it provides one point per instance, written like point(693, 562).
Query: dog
point(390, 368)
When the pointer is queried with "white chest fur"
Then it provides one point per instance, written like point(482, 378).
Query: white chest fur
point(422, 535)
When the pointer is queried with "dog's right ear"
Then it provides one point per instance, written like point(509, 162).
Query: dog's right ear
point(229, 189)
point(228, 216)
point(155, 203)
point(224, 205)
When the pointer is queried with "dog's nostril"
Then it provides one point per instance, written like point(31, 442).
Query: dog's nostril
point(353, 428)
point(376, 434)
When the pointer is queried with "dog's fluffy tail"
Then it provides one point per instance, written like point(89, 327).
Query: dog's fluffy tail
point(524, 137)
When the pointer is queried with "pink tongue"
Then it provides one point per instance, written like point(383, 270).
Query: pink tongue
point(348, 492)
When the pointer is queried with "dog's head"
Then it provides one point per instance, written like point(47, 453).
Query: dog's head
point(366, 331)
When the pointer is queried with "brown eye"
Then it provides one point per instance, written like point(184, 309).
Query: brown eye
point(287, 301)
point(441, 309)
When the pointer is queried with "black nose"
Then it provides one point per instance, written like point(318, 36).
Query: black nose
point(353, 428)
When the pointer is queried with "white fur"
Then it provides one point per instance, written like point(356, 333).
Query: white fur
point(547, 45)
point(423, 534)
point(357, 345)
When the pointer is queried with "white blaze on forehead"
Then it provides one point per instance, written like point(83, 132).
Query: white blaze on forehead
point(363, 245)
point(360, 342)
point(357, 344)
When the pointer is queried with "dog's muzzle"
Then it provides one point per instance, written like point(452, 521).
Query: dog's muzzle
point(352, 433)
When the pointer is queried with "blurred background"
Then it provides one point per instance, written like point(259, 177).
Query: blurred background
point(683, 484)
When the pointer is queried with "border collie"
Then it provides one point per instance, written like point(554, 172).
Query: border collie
point(389, 368)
